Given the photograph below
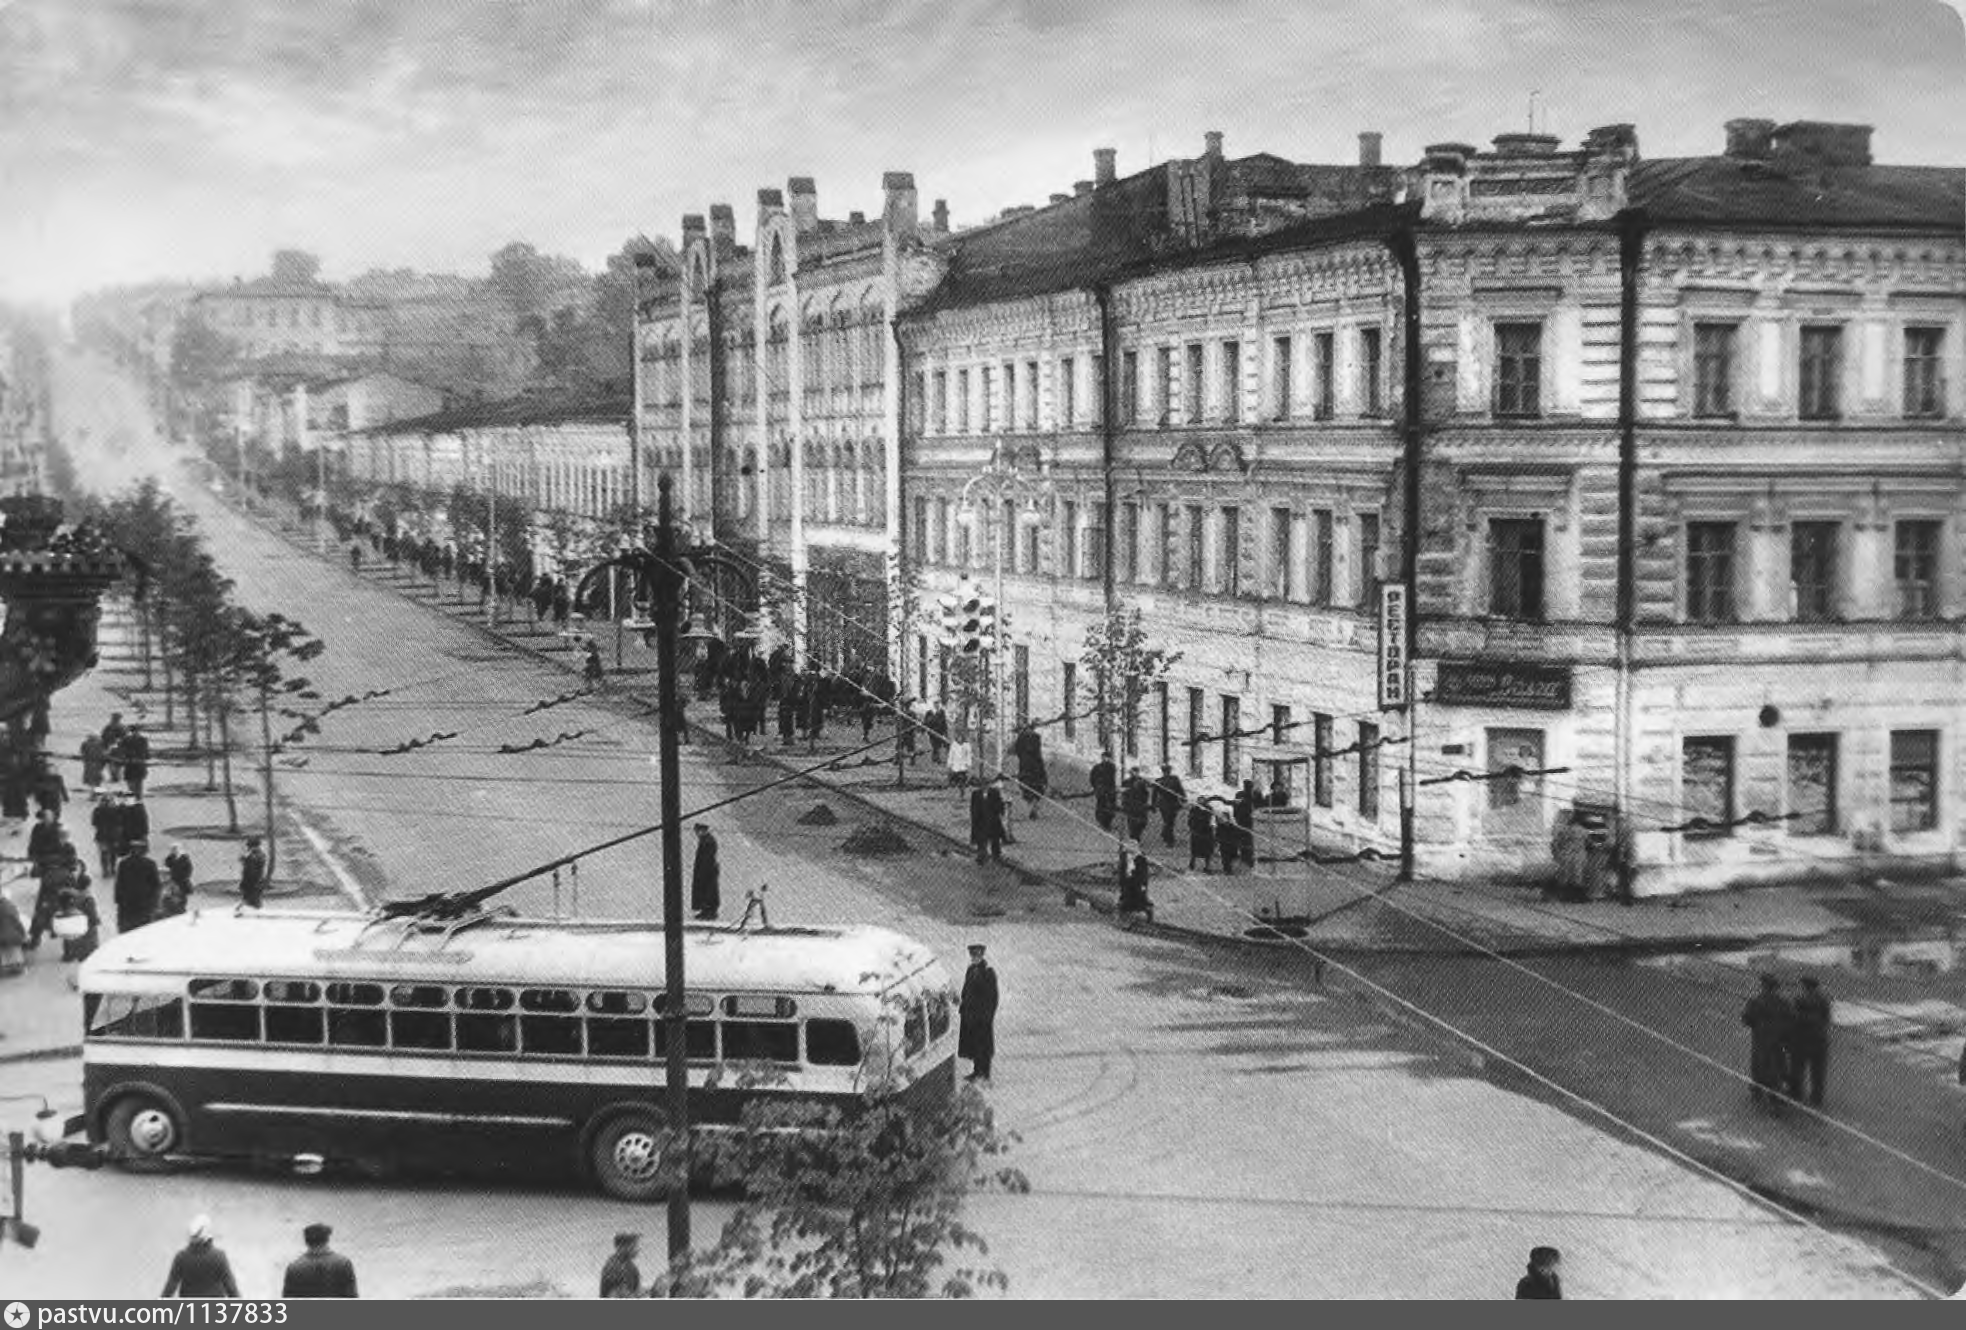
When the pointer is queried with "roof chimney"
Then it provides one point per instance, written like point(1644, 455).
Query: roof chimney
point(1750, 140)
point(692, 226)
point(900, 209)
point(723, 229)
point(1525, 145)
point(1060, 198)
point(1369, 144)
point(769, 201)
point(1213, 140)
point(1105, 168)
point(1824, 142)
point(1081, 187)
point(940, 214)
point(804, 193)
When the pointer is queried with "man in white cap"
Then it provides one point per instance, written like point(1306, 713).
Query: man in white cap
point(201, 1269)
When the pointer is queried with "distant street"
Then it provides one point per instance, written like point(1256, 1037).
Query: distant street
point(1196, 1121)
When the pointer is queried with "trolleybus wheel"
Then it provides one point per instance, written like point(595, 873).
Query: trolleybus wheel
point(630, 1156)
point(143, 1130)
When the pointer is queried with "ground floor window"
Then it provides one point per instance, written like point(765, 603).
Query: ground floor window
point(1197, 726)
point(1914, 780)
point(1021, 685)
point(1071, 686)
point(1368, 771)
point(1515, 799)
point(1706, 783)
point(1812, 784)
point(1321, 759)
point(1166, 738)
point(1281, 773)
point(1231, 744)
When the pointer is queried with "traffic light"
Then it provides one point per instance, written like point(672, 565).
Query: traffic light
point(951, 619)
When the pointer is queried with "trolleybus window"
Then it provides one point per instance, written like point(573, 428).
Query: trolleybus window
point(355, 1016)
point(136, 1016)
point(479, 1030)
point(699, 1040)
point(757, 1007)
point(938, 1015)
point(293, 1012)
point(760, 1041)
point(554, 1034)
point(413, 1023)
point(225, 1009)
point(619, 1025)
point(832, 1044)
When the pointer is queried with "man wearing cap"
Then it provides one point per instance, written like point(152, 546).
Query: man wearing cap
point(977, 1040)
point(1770, 1020)
point(138, 889)
point(705, 897)
point(1542, 1281)
point(620, 1276)
point(1809, 1042)
point(252, 873)
point(320, 1271)
point(201, 1269)
point(986, 821)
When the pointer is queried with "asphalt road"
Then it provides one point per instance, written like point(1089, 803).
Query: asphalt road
point(1194, 1121)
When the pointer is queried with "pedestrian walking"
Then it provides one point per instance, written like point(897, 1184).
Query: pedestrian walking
point(1133, 871)
point(135, 824)
point(320, 1271)
point(42, 838)
point(986, 819)
point(937, 725)
point(1542, 1281)
point(1228, 840)
point(1245, 814)
point(112, 745)
point(1032, 779)
point(136, 760)
point(1136, 799)
point(76, 920)
point(94, 758)
point(593, 671)
point(138, 891)
point(1105, 778)
point(1201, 834)
point(815, 695)
point(1169, 796)
point(959, 761)
point(201, 1269)
point(1770, 1019)
point(107, 819)
point(620, 1276)
point(704, 896)
point(976, 1040)
point(355, 559)
point(50, 790)
point(177, 881)
point(1808, 1053)
point(252, 873)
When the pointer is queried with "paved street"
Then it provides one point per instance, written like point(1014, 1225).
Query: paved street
point(1196, 1120)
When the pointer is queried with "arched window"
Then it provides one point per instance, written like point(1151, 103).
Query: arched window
point(777, 260)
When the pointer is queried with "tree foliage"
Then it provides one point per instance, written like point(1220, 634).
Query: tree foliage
point(201, 355)
point(1120, 667)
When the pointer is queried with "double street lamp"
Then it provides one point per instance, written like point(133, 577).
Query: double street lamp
point(1029, 496)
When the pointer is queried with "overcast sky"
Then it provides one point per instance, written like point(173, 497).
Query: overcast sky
point(156, 138)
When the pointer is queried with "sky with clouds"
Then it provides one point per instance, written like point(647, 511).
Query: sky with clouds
point(145, 139)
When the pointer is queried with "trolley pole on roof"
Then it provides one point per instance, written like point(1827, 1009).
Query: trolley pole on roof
point(668, 593)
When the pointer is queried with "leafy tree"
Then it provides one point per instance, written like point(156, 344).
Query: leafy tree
point(201, 355)
point(1120, 667)
point(259, 650)
point(296, 267)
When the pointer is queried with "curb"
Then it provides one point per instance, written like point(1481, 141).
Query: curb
point(54, 1054)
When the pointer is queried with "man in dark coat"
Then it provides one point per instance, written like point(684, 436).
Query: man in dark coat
point(1136, 800)
point(320, 1271)
point(815, 699)
point(136, 760)
point(135, 825)
point(252, 873)
point(986, 819)
point(1770, 1019)
point(112, 744)
point(139, 890)
point(1201, 834)
point(1105, 791)
point(1032, 779)
point(1809, 1042)
point(49, 789)
point(107, 819)
point(977, 1039)
point(177, 875)
point(704, 896)
point(201, 1269)
point(1245, 815)
point(937, 725)
point(1169, 795)
point(1542, 1281)
point(1133, 871)
point(620, 1276)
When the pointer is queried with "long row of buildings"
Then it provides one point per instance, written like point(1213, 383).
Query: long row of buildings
point(1669, 454)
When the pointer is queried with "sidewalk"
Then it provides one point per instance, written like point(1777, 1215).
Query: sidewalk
point(1350, 908)
point(40, 1014)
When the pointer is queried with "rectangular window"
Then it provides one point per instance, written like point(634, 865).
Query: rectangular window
point(918, 536)
point(1279, 569)
point(1706, 785)
point(1925, 385)
point(1070, 683)
point(1321, 732)
point(1323, 554)
point(1324, 371)
point(1068, 394)
point(1368, 560)
point(1010, 420)
point(1197, 726)
point(1127, 550)
point(1372, 370)
point(1232, 382)
point(1812, 570)
point(1280, 379)
point(1710, 572)
point(1164, 548)
point(761, 1041)
point(1191, 385)
point(939, 402)
point(1915, 566)
point(1515, 568)
point(1068, 540)
point(1914, 780)
point(1020, 683)
point(1713, 369)
point(1822, 371)
point(1230, 554)
point(1033, 541)
point(1197, 531)
point(1030, 395)
point(832, 1044)
point(989, 398)
point(1094, 563)
point(1812, 784)
point(1129, 387)
point(1368, 771)
point(1164, 387)
point(1007, 539)
point(1518, 369)
point(1098, 390)
point(1231, 742)
point(962, 401)
point(1164, 706)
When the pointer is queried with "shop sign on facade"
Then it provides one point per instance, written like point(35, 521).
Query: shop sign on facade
point(1503, 684)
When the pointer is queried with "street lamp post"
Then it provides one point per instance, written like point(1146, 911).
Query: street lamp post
point(999, 482)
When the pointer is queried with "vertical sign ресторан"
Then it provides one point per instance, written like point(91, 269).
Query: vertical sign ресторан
point(1392, 647)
